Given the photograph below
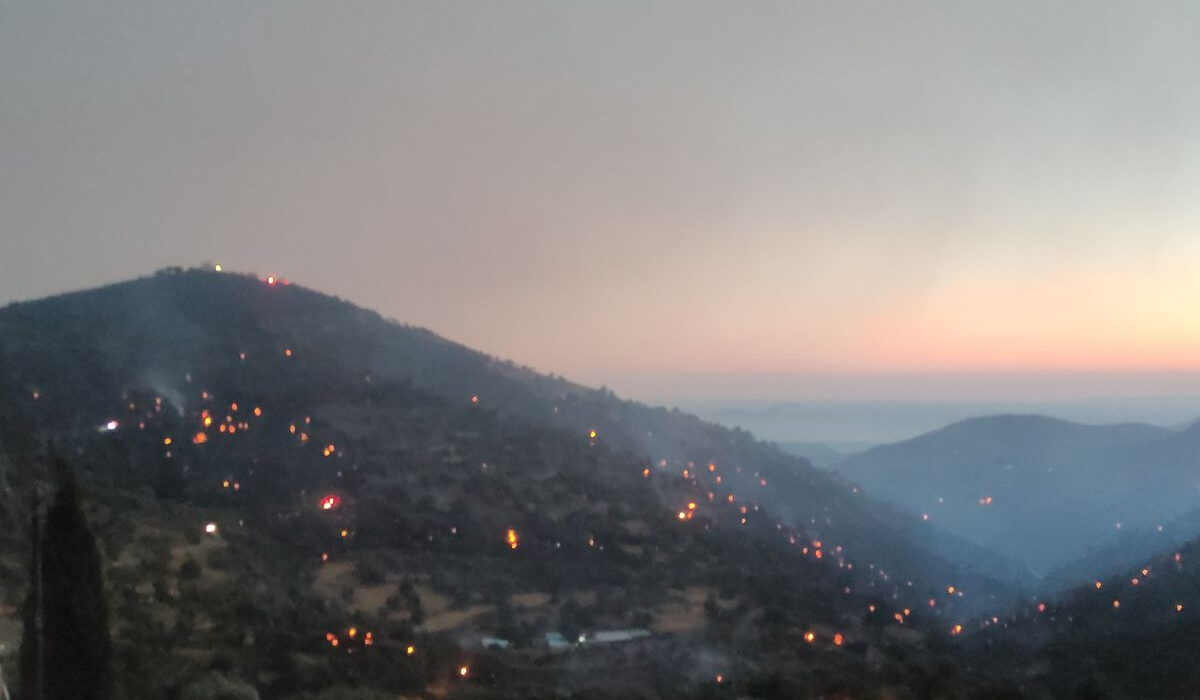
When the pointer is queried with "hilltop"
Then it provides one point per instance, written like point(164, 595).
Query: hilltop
point(1043, 491)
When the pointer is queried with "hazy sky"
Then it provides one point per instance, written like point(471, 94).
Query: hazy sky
point(672, 198)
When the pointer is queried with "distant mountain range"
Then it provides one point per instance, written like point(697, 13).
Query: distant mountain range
point(1044, 491)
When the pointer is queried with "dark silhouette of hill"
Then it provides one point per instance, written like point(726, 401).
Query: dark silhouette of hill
point(1041, 490)
point(360, 474)
point(1131, 635)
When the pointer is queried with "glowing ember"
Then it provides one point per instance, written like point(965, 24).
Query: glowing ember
point(463, 671)
point(511, 538)
point(838, 639)
point(810, 637)
point(410, 650)
point(330, 502)
point(199, 439)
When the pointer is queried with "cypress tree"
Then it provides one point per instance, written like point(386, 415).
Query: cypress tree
point(31, 633)
point(77, 648)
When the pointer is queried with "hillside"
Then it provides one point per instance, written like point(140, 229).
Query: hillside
point(1040, 490)
point(364, 476)
point(1131, 635)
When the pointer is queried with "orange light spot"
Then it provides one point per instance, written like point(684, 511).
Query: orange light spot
point(410, 650)
point(810, 637)
point(166, 441)
point(511, 538)
point(838, 639)
point(199, 438)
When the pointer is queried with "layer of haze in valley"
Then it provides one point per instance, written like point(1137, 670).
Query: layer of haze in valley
point(850, 425)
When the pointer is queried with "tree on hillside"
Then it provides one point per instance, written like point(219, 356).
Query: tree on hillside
point(31, 634)
point(74, 643)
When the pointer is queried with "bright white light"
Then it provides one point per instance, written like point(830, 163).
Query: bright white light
point(210, 528)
